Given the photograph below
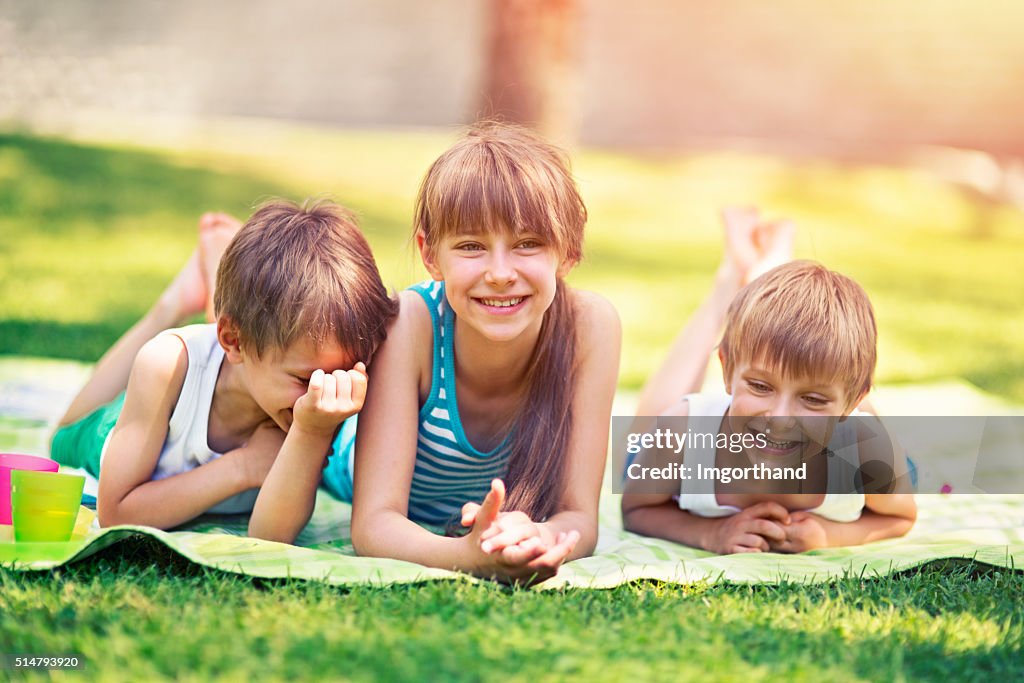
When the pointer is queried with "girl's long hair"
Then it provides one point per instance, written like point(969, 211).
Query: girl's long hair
point(504, 177)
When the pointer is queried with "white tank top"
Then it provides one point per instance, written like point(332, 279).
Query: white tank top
point(698, 495)
point(187, 446)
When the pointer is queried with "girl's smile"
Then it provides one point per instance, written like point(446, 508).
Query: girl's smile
point(499, 283)
point(502, 305)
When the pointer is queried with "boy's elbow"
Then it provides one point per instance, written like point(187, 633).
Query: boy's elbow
point(632, 511)
point(109, 513)
point(909, 517)
point(108, 518)
point(629, 520)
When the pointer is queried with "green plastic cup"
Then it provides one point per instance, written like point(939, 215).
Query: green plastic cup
point(45, 505)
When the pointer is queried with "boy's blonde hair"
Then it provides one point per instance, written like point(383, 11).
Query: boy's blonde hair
point(295, 271)
point(804, 320)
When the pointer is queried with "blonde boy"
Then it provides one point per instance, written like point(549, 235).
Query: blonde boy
point(798, 355)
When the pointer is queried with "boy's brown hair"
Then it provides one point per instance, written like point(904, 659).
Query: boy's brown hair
point(804, 320)
point(306, 270)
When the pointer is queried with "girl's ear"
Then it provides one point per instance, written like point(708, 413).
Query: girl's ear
point(227, 335)
point(427, 255)
point(565, 267)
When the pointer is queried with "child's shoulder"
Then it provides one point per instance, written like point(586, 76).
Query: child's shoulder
point(162, 358)
point(595, 315)
point(413, 312)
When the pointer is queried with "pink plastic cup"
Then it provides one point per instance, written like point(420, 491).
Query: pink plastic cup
point(15, 461)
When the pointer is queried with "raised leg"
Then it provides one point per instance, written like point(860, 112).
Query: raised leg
point(752, 247)
point(190, 293)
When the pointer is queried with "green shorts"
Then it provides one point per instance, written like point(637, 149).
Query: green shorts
point(80, 444)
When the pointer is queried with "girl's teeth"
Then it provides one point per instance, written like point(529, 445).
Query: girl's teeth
point(502, 303)
point(779, 444)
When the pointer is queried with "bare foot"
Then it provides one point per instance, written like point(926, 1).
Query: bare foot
point(741, 247)
point(775, 243)
point(186, 295)
point(216, 230)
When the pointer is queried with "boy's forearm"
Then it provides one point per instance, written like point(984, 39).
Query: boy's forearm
point(871, 526)
point(667, 521)
point(166, 503)
point(288, 495)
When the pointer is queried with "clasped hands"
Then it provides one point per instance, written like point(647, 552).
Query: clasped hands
point(767, 527)
point(509, 546)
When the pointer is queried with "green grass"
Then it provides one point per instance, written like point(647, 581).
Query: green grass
point(141, 614)
point(91, 232)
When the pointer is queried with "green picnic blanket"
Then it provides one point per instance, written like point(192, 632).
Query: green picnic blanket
point(987, 529)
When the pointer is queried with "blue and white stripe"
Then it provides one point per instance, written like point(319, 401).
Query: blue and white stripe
point(449, 471)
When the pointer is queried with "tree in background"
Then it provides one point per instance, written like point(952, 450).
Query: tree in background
point(531, 70)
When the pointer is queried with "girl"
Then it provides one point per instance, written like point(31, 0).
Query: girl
point(495, 383)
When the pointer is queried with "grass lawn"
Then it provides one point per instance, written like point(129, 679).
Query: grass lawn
point(145, 616)
point(90, 233)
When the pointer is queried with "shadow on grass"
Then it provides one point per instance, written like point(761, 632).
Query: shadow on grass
point(69, 205)
point(60, 185)
point(51, 339)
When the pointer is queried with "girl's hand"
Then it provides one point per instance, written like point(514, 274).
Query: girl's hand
point(758, 528)
point(330, 399)
point(805, 531)
point(511, 547)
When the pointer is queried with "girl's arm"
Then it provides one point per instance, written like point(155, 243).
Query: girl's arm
point(126, 493)
point(386, 451)
point(541, 547)
point(386, 455)
point(599, 349)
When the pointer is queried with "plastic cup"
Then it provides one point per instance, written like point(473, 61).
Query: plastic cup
point(15, 461)
point(45, 505)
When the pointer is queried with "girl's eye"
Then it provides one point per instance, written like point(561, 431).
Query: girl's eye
point(469, 246)
point(304, 381)
point(815, 400)
point(530, 244)
point(758, 387)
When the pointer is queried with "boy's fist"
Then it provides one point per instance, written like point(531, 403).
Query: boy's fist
point(330, 399)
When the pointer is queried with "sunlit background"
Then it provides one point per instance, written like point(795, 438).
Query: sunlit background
point(890, 132)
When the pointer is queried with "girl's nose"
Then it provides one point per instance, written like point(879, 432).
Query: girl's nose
point(500, 270)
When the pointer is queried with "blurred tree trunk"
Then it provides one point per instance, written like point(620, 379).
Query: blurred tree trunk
point(531, 66)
